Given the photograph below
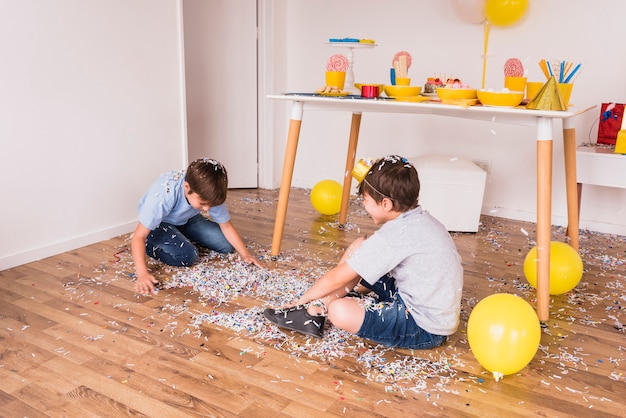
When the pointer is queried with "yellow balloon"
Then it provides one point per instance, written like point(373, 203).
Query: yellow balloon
point(505, 12)
point(503, 332)
point(566, 268)
point(326, 197)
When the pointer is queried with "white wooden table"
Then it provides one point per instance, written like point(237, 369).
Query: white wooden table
point(541, 119)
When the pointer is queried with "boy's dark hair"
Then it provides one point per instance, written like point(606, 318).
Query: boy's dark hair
point(395, 178)
point(208, 179)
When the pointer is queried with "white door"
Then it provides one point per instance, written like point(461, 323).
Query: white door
point(221, 85)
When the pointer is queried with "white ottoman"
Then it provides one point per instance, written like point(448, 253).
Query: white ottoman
point(451, 189)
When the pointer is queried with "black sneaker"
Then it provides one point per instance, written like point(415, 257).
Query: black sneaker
point(296, 319)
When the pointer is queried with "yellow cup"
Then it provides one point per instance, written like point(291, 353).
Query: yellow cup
point(566, 91)
point(336, 79)
point(403, 81)
point(532, 88)
point(515, 83)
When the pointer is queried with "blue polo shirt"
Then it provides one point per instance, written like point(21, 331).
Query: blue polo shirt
point(165, 201)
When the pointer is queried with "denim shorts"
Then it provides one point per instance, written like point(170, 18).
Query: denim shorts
point(388, 321)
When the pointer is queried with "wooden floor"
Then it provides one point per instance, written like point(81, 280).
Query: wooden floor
point(76, 341)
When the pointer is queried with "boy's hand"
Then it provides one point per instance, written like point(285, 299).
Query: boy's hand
point(145, 284)
point(252, 260)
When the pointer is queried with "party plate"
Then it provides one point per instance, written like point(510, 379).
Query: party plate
point(334, 94)
point(414, 99)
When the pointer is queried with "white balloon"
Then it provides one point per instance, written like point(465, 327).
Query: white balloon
point(470, 11)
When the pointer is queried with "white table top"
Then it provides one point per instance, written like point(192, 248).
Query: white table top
point(354, 103)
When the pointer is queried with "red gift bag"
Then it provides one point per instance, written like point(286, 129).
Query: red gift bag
point(610, 123)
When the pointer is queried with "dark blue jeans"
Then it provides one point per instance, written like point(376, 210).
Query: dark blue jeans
point(173, 244)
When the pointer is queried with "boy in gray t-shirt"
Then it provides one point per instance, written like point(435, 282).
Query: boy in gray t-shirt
point(410, 263)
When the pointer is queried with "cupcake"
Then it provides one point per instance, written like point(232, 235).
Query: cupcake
point(432, 84)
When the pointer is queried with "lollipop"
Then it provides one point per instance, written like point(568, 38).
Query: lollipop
point(401, 63)
point(337, 62)
point(405, 54)
point(513, 67)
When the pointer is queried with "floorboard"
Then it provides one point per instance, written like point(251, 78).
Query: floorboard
point(76, 341)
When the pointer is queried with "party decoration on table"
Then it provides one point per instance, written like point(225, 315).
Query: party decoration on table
point(505, 12)
point(563, 71)
point(486, 30)
point(548, 98)
point(326, 197)
point(331, 91)
point(514, 79)
point(442, 81)
point(503, 98)
point(513, 67)
point(400, 64)
point(351, 40)
point(432, 84)
point(620, 142)
point(335, 74)
point(337, 62)
point(470, 11)
point(457, 93)
point(566, 268)
point(503, 332)
point(610, 122)
point(500, 13)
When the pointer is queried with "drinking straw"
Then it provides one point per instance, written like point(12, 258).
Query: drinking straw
point(561, 71)
point(568, 67)
point(549, 68)
point(544, 68)
point(569, 77)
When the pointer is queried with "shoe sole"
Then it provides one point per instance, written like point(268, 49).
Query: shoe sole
point(290, 328)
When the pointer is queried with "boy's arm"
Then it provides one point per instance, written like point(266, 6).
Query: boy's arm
point(336, 283)
point(145, 281)
point(231, 234)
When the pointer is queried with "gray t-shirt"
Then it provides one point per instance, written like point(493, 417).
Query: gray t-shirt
point(417, 250)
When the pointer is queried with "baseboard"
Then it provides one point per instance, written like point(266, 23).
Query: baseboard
point(35, 254)
point(591, 225)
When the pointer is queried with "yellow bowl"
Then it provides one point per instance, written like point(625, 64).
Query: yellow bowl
point(445, 93)
point(402, 91)
point(500, 98)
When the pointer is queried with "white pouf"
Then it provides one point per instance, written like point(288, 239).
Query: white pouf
point(451, 189)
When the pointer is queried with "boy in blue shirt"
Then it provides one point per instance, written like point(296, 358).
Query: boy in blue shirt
point(170, 220)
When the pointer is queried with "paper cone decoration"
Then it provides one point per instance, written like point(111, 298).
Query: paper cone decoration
point(548, 98)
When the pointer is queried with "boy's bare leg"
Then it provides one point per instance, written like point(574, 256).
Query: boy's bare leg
point(321, 307)
point(347, 314)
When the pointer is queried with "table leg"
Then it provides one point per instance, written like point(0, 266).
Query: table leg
point(544, 215)
point(347, 175)
point(285, 183)
point(573, 204)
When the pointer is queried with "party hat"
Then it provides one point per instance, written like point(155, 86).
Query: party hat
point(548, 98)
point(361, 169)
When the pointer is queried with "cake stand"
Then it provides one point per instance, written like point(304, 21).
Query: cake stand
point(350, 46)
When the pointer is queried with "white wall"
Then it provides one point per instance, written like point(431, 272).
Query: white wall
point(441, 43)
point(91, 111)
point(92, 103)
